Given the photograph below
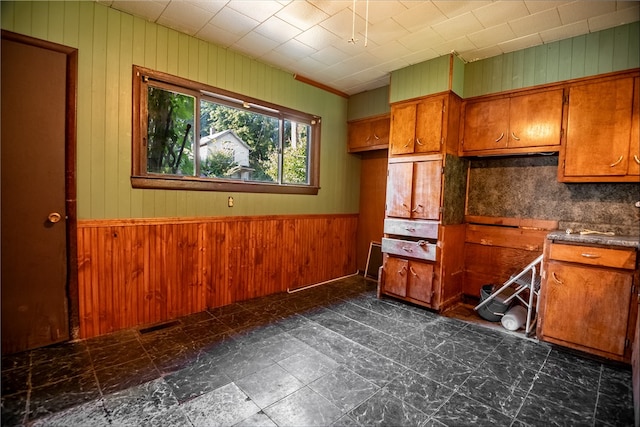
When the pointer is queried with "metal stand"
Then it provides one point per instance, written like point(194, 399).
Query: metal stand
point(522, 283)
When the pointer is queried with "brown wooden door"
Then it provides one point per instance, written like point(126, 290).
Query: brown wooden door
point(634, 147)
point(599, 128)
point(399, 183)
point(427, 185)
point(486, 124)
point(536, 119)
point(359, 135)
point(428, 123)
point(34, 245)
point(403, 124)
point(587, 306)
point(420, 281)
point(395, 275)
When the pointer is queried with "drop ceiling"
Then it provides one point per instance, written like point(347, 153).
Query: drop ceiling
point(325, 41)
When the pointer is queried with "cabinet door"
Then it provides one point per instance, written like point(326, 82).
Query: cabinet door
point(587, 306)
point(359, 135)
point(420, 281)
point(535, 120)
point(634, 147)
point(486, 124)
point(399, 184)
point(427, 185)
point(380, 131)
point(403, 123)
point(395, 275)
point(428, 125)
point(599, 128)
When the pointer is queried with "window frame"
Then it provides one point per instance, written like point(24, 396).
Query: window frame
point(140, 178)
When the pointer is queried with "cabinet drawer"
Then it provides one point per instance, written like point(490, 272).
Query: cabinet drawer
point(407, 248)
point(401, 227)
point(605, 257)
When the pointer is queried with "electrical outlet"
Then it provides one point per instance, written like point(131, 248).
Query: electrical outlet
point(230, 202)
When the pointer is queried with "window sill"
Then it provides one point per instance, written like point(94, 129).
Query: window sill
point(197, 184)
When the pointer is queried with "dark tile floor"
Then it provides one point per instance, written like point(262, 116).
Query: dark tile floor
point(329, 355)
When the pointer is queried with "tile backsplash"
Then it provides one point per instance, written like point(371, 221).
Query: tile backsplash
point(527, 187)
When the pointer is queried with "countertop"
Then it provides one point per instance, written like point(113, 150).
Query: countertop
point(595, 239)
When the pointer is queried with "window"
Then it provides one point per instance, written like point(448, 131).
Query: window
point(188, 135)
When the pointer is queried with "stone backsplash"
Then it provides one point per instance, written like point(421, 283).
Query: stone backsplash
point(527, 187)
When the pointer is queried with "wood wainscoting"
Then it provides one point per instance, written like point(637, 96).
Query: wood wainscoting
point(133, 272)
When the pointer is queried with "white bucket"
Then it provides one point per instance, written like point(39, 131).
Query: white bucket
point(515, 318)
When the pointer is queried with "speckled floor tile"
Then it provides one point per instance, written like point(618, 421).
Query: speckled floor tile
point(140, 405)
point(444, 371)
point(89, 414)
point(201, 376)
point(537, 411)
point(419, 391)
point(344, 388)
point(128, 374)
point(303, 408)
point(461, 410)
point(225, 406)
point(55, 397)
point(384, 409)
point(268, 385)
point(494, 393)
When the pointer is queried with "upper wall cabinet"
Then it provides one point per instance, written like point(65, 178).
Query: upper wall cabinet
point(602, 131)
point(514, 123)
point(426, 125)
point(369, 134)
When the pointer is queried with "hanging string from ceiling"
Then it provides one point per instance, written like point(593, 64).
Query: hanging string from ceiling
point(353, 38)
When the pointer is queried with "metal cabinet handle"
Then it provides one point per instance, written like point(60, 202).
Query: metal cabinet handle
point(588, 255)
point(513, 135)
point(413, 272)
point(376, 136)
point(423, 243)
point(54, 217)
point(410, 229)
point(500, 137)
point(407, 144)
point(617, 162)
point(402, 270)
point(555, 278)
point(635, 157)
point(407, 249)
point(418, 141)
point(416, 208)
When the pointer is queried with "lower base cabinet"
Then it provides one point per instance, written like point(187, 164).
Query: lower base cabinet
point(408, 279)
point(588, 299)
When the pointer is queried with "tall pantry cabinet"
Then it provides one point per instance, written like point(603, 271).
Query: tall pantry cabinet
point(423, 239)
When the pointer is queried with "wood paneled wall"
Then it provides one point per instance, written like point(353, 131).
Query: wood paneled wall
point(135, 272)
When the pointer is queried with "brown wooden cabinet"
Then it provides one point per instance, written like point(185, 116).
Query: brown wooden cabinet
point(369, 134)
point(414, 188)
point(602, 131)
point(512, 123)
point(426, 125)
point(588, 299)
point(408, 278)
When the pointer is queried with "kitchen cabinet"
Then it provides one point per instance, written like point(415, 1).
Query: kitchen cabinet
point(369, 134)
point(588, 298)
point(602, 131)
point(512, 123)
point(423, 239)
point(426, 125)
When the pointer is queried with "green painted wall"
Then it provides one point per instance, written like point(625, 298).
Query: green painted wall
point(369, 103)
point(420, 79)
point(109, 42)
point(605, 51)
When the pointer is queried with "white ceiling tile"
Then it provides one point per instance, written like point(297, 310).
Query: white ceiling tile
point(341, 24)
point(302, 14)
point(105, 2)
point(536, 6)
point(626, 4)
point(310, 67)
point(416, 56)
point(451, 9)
point(535, 23)
point(278, 30)
point(580, 10)
point(255, 44)
point(257, 10)
point(521, 43)
point(419, 15)
point(295, 49)
point(459, 45)
point(623, 16)
point(565, 32)
point(385, 31)
point(379, 10)
point(218, 35)
point(500, 12)
point(481, 54)
point(330, 55)
point(150, 10)
point(460, 25)
point(213, 6)
point(185, 17)
point(491, 36)
point(389, 50)
point(422, 39)
point(318, 37)
point(233, 22)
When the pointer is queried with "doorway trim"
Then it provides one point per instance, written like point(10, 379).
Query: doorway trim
point(70, 170)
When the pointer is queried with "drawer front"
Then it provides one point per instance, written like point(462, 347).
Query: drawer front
point(405, 248)
point(414, 228)
point(605, 257)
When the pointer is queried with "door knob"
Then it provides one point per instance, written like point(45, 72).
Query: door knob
point(54, 217)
